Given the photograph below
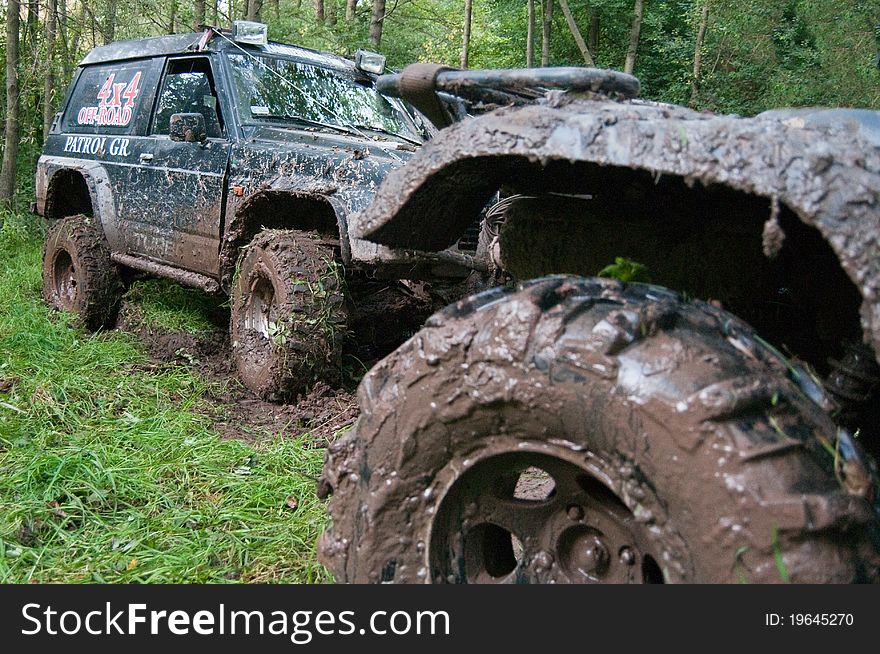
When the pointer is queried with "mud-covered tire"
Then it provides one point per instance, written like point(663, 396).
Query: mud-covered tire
point(78, 274)
point(680, 451)
point(288, 314)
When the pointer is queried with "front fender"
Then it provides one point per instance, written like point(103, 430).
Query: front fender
point(827, 171)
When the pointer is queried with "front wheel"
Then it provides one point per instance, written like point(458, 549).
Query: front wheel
point(584, 430)
point(288, 314)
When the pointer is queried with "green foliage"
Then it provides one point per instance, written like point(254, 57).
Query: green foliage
point(110, 470)
point(626, 270)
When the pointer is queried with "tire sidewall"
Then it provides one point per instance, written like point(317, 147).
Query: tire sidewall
point(59, 243)
point(99, 287)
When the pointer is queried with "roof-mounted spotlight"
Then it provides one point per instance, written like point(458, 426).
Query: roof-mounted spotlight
point(248, 31)
point(370, 62)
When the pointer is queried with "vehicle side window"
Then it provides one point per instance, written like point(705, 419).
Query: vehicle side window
point(188, 88)
point(110, 98)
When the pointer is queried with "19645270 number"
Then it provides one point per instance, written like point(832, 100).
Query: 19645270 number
point(822, 619)
point(809, 619)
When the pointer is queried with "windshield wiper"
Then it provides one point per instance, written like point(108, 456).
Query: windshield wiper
point(382, 130)
point(309, 123)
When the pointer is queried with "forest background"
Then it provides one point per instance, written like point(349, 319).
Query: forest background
point(741, 57)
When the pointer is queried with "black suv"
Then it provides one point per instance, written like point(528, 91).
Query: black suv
point(175, 155)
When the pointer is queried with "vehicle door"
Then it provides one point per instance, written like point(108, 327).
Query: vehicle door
point(173, 202)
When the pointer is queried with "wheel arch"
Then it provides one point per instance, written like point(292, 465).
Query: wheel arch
point(66, 188)
point(825, 174)
point(274, 208)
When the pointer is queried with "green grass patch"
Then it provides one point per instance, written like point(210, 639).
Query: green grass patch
point(110, 472)
point(168, 306)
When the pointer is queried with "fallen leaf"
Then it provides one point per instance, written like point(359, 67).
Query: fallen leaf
point(131, 565)
point(57, 510)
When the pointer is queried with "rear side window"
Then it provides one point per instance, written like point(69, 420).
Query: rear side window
point(112, 98)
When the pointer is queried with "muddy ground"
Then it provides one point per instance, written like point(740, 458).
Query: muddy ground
point(382, 319)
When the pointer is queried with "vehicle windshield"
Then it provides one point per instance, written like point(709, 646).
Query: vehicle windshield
point(272, 89)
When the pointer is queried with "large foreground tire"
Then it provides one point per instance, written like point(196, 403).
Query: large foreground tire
point(666, 443)
point(78, 275)
point(288, 314)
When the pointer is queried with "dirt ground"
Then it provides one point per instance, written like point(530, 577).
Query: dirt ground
point(381, 320)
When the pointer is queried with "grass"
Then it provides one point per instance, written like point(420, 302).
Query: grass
point(168, 306)
point(109, 472)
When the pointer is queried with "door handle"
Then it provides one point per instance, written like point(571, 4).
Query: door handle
point(146, 156)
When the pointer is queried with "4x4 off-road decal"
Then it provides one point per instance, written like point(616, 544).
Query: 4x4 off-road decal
point(116, 102)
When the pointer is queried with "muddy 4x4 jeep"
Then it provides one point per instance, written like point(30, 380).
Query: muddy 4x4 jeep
point(576, 429)
point(174, 155)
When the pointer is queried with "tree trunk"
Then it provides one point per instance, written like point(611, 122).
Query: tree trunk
point(530, 36)
point(254, 9)
point(109, 30)
point(576, 33)
point(31, 27)
point(49, 80)
point(698, 51)
point(172, 19)
point(319, 11)
point(547, 22)
point(10, 151)
point(466, 36)
point(630, 62)
point(377, 20)
point(350, 7)
point(198, 14)
point(593, 36)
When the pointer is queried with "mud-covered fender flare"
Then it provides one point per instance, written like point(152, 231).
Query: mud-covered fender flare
point(51, 169)
point(244, 223)
point(824, 166)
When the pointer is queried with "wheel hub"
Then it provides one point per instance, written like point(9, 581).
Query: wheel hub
point(262, 313)
point(497, 525)
point(64, 275)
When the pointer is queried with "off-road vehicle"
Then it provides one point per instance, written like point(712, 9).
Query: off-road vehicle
point(576, 429)
point(175, 155)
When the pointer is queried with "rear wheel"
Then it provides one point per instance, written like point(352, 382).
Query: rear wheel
point(78, 274)
point(583, 430)
point(288, 314)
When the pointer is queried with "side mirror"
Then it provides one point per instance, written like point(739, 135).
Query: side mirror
point(189, 128)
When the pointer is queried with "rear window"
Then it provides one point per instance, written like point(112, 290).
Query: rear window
point(112, 98)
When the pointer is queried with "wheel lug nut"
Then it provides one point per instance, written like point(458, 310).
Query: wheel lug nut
point(575, 512)
point(627, 556)
point(543, 560)
point(594, 556)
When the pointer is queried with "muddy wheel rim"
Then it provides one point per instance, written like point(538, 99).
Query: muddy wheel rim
point(64, 278)
point(567, 528)
point(261, 313)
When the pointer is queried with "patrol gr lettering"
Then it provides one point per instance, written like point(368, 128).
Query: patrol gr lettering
point(96, 145)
